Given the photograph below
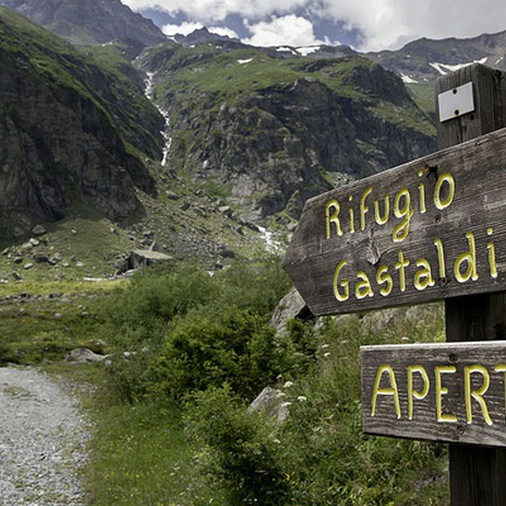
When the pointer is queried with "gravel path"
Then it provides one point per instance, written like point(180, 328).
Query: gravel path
point(42, 441)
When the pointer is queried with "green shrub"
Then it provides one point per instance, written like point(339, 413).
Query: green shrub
point(239, 451)
point(209, 348)
point(257, 287)
point(329, 459)
point(158, 295)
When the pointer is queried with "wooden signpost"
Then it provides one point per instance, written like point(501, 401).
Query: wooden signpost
point(427, 230)
point(454, 392)
point(431, 229)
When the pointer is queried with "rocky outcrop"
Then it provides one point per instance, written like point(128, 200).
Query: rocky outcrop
point(424, 60)
point(276, 145)
point(90, 21)
point(59, 145)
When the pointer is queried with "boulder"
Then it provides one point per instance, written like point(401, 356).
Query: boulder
point(271, 402)
point(144, 257)
point(84, 356)
point(291, 306)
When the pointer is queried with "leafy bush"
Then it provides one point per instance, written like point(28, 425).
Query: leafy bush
point(257, 287)
point(158, 295)
point(239, 451)
point(199, 329)
point(208, 349)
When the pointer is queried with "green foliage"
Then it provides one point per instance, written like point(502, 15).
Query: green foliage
point(226, 345)
point(319, 455)
point(329, 459)
point(216, 351)
point(157, 295)
point(185, 329)
point(240, 454)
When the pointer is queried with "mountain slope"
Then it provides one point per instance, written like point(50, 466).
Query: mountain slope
point(426, 59)
point(274, 131)
point(88, 22)
point(64, 133)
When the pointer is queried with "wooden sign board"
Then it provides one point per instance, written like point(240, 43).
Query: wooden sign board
point(452, 392)
point(424, 231)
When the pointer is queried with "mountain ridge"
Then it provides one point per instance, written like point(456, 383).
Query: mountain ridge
point(197, 145)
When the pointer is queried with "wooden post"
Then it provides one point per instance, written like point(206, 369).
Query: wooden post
point(477, 474)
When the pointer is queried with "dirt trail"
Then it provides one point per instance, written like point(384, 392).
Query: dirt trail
point(43, 436)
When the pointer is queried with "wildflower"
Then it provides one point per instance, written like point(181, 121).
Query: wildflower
point(302, 398)
point(288, 384)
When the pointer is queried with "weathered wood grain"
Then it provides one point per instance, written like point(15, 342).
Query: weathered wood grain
point(456, 205)
point(456, 392)
point(476, 473)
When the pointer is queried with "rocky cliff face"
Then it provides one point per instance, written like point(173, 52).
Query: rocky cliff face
point(276, 131)
point(59, 146)
point(88, 21)
point(425, 59)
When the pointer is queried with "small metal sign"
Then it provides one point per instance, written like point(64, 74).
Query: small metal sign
point(456, 102)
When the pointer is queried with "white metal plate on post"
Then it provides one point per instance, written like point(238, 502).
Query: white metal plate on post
point(456, 102)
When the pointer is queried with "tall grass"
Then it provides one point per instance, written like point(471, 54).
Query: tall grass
point(190, 351)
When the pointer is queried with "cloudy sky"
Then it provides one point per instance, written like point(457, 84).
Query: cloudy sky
point(364, 24)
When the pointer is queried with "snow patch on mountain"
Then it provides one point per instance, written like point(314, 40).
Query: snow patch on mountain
point(445, 68)
point(408, 80)
point(304, 51)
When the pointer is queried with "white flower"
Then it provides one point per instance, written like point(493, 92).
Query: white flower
point(288, 384)
point(302, 398)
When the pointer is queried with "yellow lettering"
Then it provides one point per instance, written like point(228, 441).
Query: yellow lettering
point(363, 287)
point(443, 203)
point(345, 294)
point(423, 277)
point(381, 220)
point(416, 394)
point(401, 267)
point(391, 390)
point(382, 278)
point(440, 391)
point(421, 193)
point(332, 209)
point(351, 212)
point(440, 258)
point(402, 209)
point(477, 394)
point(468, 257)
point(363, 207)
point(491, 256)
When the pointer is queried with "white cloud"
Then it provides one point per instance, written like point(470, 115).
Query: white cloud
point(221, 30)
point(187, 28)
point(183, 29)
point(217, 10)
point(383, 23)
point(286, 30)
point(392, 23)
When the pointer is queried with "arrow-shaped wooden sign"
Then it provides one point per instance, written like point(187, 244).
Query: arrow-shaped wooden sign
point(426, 230)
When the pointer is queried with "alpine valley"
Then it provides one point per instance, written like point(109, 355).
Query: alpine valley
point(115, 139)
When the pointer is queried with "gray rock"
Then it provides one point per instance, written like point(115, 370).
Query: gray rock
point(143, 258)
point(291, 306)
point(38, 230)
point(271, 402)
point(171, 195)
point(85, 356)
